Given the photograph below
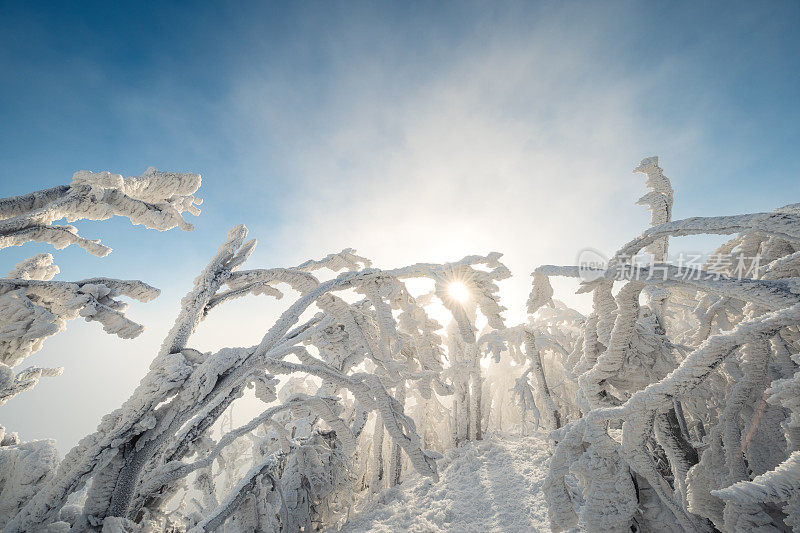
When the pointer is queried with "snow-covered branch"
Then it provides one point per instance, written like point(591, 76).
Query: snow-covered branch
point(32, 305)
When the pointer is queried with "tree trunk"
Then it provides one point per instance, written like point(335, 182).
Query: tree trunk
point(396, 464)
point(477, 385)
point(376, 484)
point(550, 411)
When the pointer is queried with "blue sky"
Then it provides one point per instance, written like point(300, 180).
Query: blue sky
point(411, 131)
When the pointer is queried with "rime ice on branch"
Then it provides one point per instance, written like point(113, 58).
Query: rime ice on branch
point(369, 356)
point(683, 419)
point(32, 305)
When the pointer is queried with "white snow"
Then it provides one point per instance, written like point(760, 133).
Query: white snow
point(673, 404)
point(489, 485)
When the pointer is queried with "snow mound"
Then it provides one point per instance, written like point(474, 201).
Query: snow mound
point(489, 485)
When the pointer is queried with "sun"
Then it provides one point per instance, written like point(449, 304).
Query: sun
point(458, 291)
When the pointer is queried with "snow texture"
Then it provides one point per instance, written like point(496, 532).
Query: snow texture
point(490, 485)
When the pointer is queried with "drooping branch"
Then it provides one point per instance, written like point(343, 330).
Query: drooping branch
point(32, 305)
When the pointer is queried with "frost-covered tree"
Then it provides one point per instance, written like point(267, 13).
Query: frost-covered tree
point(361, 335)
point(34, 306)
point(681, 379)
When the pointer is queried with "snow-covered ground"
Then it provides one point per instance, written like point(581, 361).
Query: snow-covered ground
point(491, 485)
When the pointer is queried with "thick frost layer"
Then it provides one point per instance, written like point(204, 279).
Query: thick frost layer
point(32, 305)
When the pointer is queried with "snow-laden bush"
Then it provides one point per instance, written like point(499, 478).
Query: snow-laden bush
point(685, 416)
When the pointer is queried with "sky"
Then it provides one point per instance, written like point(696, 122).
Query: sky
point(411, 131)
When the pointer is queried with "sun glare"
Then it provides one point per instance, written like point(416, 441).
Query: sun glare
point(458, 291)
